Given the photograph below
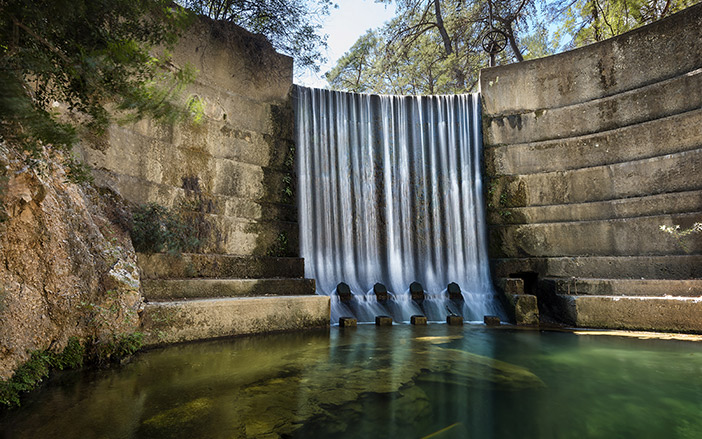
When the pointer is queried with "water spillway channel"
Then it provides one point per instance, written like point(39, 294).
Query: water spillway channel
point(390, 191)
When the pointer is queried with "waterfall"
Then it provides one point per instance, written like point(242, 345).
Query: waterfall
point(389, 190)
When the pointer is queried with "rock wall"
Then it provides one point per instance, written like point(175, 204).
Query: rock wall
point(589, 152)
point(235, 166)
point(67, 265)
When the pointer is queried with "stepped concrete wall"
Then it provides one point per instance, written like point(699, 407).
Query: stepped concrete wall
point(589, 152)
point(234, 168)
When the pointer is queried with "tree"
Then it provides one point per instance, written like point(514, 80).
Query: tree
point(589, 21)
point(430, 47)
point(290, 25)
point(87, 54)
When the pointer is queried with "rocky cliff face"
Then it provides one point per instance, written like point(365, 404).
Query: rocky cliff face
point(67, 265)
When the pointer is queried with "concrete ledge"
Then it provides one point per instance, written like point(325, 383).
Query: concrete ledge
point(662, 99)
point(670, 173)
point(627, 287)
point(677, 133)
point(680, 314)
point(610, 267)
point(173, 322)
point(620, 237)
point(174, 289)
point(194, 265)
point(677, 202)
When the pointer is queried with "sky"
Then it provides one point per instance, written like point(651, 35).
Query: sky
point(344, 25)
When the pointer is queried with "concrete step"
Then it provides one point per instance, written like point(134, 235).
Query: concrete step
point(179, 321)
point(668, 135)
point(610, 267)
point(195, 265)
point(671, 203)
point(173, 289)
point(618, 237)
point(661, 99)
point(624, 287)
point(667, 314)
point(671, 173)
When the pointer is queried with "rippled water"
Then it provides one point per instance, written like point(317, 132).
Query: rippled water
point(371, 382)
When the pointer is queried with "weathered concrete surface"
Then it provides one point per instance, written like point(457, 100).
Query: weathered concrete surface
point(192, 265)
point(650, 54)
point(174, 289)
point(668, 135)
point(235, 165)
point(669, 203)
point(523, 308)
point(510, 285)
point(619, 237)
point(172, 322)
point(668, 173)
point(676, 314)
point(627, 287)
point(612, 267)
point(588, 153)
point(654, 101)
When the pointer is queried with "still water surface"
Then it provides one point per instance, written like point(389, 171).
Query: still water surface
point(381, 382)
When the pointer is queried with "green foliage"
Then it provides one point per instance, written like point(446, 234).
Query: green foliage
point(156, 228)
point(588, 21)
point(292, 26)
point(434, 46)
point(101, 352)
point(31, 373)
point(62, 63)
point(281, 247)
point(427, 49)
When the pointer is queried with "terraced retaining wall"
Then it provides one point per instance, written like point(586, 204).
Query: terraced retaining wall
point(587, 154)
point(234, 168)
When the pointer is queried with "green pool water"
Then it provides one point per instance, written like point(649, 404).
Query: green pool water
point(402, 381)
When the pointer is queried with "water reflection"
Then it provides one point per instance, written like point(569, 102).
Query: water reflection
point(401, 381)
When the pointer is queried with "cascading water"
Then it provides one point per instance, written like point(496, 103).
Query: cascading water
point(390, 191)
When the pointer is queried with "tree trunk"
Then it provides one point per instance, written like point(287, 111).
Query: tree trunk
point(513, 42)
point(442, 28)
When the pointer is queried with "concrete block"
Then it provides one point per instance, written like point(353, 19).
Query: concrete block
point(525, 309)
point(348, 322)
point(173, 322)
point(383, 321)
point(418, 320)
point(454, 320)
point(674, 314)
point(491, 320)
